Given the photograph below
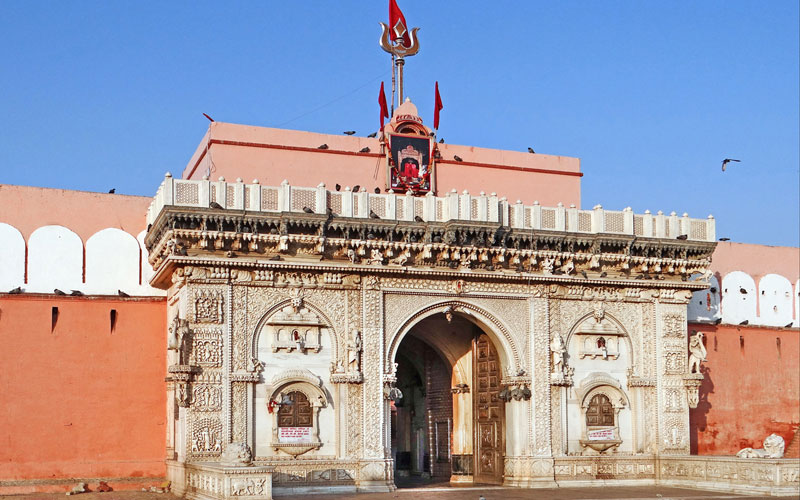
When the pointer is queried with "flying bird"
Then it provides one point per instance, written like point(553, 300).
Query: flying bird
point(364, 150)
point(349, 132)
point(322, 146)
point(530, 150)
point(112, 191)
point(307, 210)
point(374, 134)
point(356, 188)
point(417, 218)
point(726, 161)
point(373, 215)
point(216, 205)
point(209, 118)
point(377, 190)
point(457, 158)
point(338, 187)
point(58, 292)
point(724, 239)
point(122, 294)
point(682, 237)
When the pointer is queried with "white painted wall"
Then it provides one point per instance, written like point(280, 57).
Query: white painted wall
point(775, 300)
point(55, 260)
point(738, 298)
point(704, 305)
point(12, 258)
point(112, 262)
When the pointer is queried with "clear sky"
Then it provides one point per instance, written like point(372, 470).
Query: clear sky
point(651, 95)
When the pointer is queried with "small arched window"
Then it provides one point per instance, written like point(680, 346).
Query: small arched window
point(295, 411)
point(600, 411)
point(601, 342)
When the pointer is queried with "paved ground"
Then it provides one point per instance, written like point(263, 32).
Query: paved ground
point(450, 493)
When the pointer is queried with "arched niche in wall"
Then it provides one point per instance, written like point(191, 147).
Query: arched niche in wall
point(112, 262)
point(598, 342)
point(296, 400)
point(738, 298)
point(704, 306)
point(774, 300)
point(55, 260)
point(293, 332)
point(12, 258)
point(605, 414)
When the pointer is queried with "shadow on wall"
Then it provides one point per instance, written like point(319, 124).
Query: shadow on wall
point(698, 420)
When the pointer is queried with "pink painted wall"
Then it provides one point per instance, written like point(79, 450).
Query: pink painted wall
point(756, 260)
point(28, 208)
point(272, 155)
point(80, 400)
point(751, 388)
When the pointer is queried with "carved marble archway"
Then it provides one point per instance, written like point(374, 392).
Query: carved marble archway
point(506, 345)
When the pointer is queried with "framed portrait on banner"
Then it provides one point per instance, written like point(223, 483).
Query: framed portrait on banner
point(410, 165)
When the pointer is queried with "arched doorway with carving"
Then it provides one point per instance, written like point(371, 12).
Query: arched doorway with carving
point(449, 424)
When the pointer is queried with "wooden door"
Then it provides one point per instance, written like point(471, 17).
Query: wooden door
point(489, 438)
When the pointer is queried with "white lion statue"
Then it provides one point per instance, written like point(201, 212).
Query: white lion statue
point(773, 448)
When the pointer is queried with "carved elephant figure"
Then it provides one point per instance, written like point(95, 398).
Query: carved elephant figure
point(240, 487)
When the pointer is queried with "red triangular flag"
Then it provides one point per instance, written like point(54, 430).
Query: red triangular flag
point(397, 24)
point(437, 107)
point(382, 104)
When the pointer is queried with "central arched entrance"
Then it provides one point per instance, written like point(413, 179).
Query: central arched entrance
point(449, 424)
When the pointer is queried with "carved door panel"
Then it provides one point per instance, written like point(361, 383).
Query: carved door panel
point(489, 439)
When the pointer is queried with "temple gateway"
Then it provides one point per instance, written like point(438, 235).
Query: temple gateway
point(332, 338)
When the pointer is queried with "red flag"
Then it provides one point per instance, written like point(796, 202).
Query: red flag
point(437, 107)
point(384, 107)
point(397, 24)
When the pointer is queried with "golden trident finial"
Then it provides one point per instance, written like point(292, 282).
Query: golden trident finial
point(399, 51)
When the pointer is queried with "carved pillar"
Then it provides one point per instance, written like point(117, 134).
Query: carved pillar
point(376, 472)
point(672, 357)
point(535, 465)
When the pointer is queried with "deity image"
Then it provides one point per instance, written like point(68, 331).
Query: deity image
point(411, 163)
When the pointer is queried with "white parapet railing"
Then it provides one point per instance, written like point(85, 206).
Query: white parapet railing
point(405, 207)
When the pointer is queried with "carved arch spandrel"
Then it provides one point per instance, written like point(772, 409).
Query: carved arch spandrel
point(254, 335)
point(505, 342)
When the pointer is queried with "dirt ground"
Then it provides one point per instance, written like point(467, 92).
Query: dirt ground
point(473, 493)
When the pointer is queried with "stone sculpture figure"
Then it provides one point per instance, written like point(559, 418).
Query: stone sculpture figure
point(236, 454)
point(178, 335)
point(354, 352)
point(559, 353)
point(697, 352)
point(773, 448)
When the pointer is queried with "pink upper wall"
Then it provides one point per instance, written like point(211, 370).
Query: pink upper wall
point(29, 208)
point(272, 155)
point(756, 260)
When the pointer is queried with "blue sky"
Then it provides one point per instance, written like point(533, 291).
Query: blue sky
point(650, 95)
